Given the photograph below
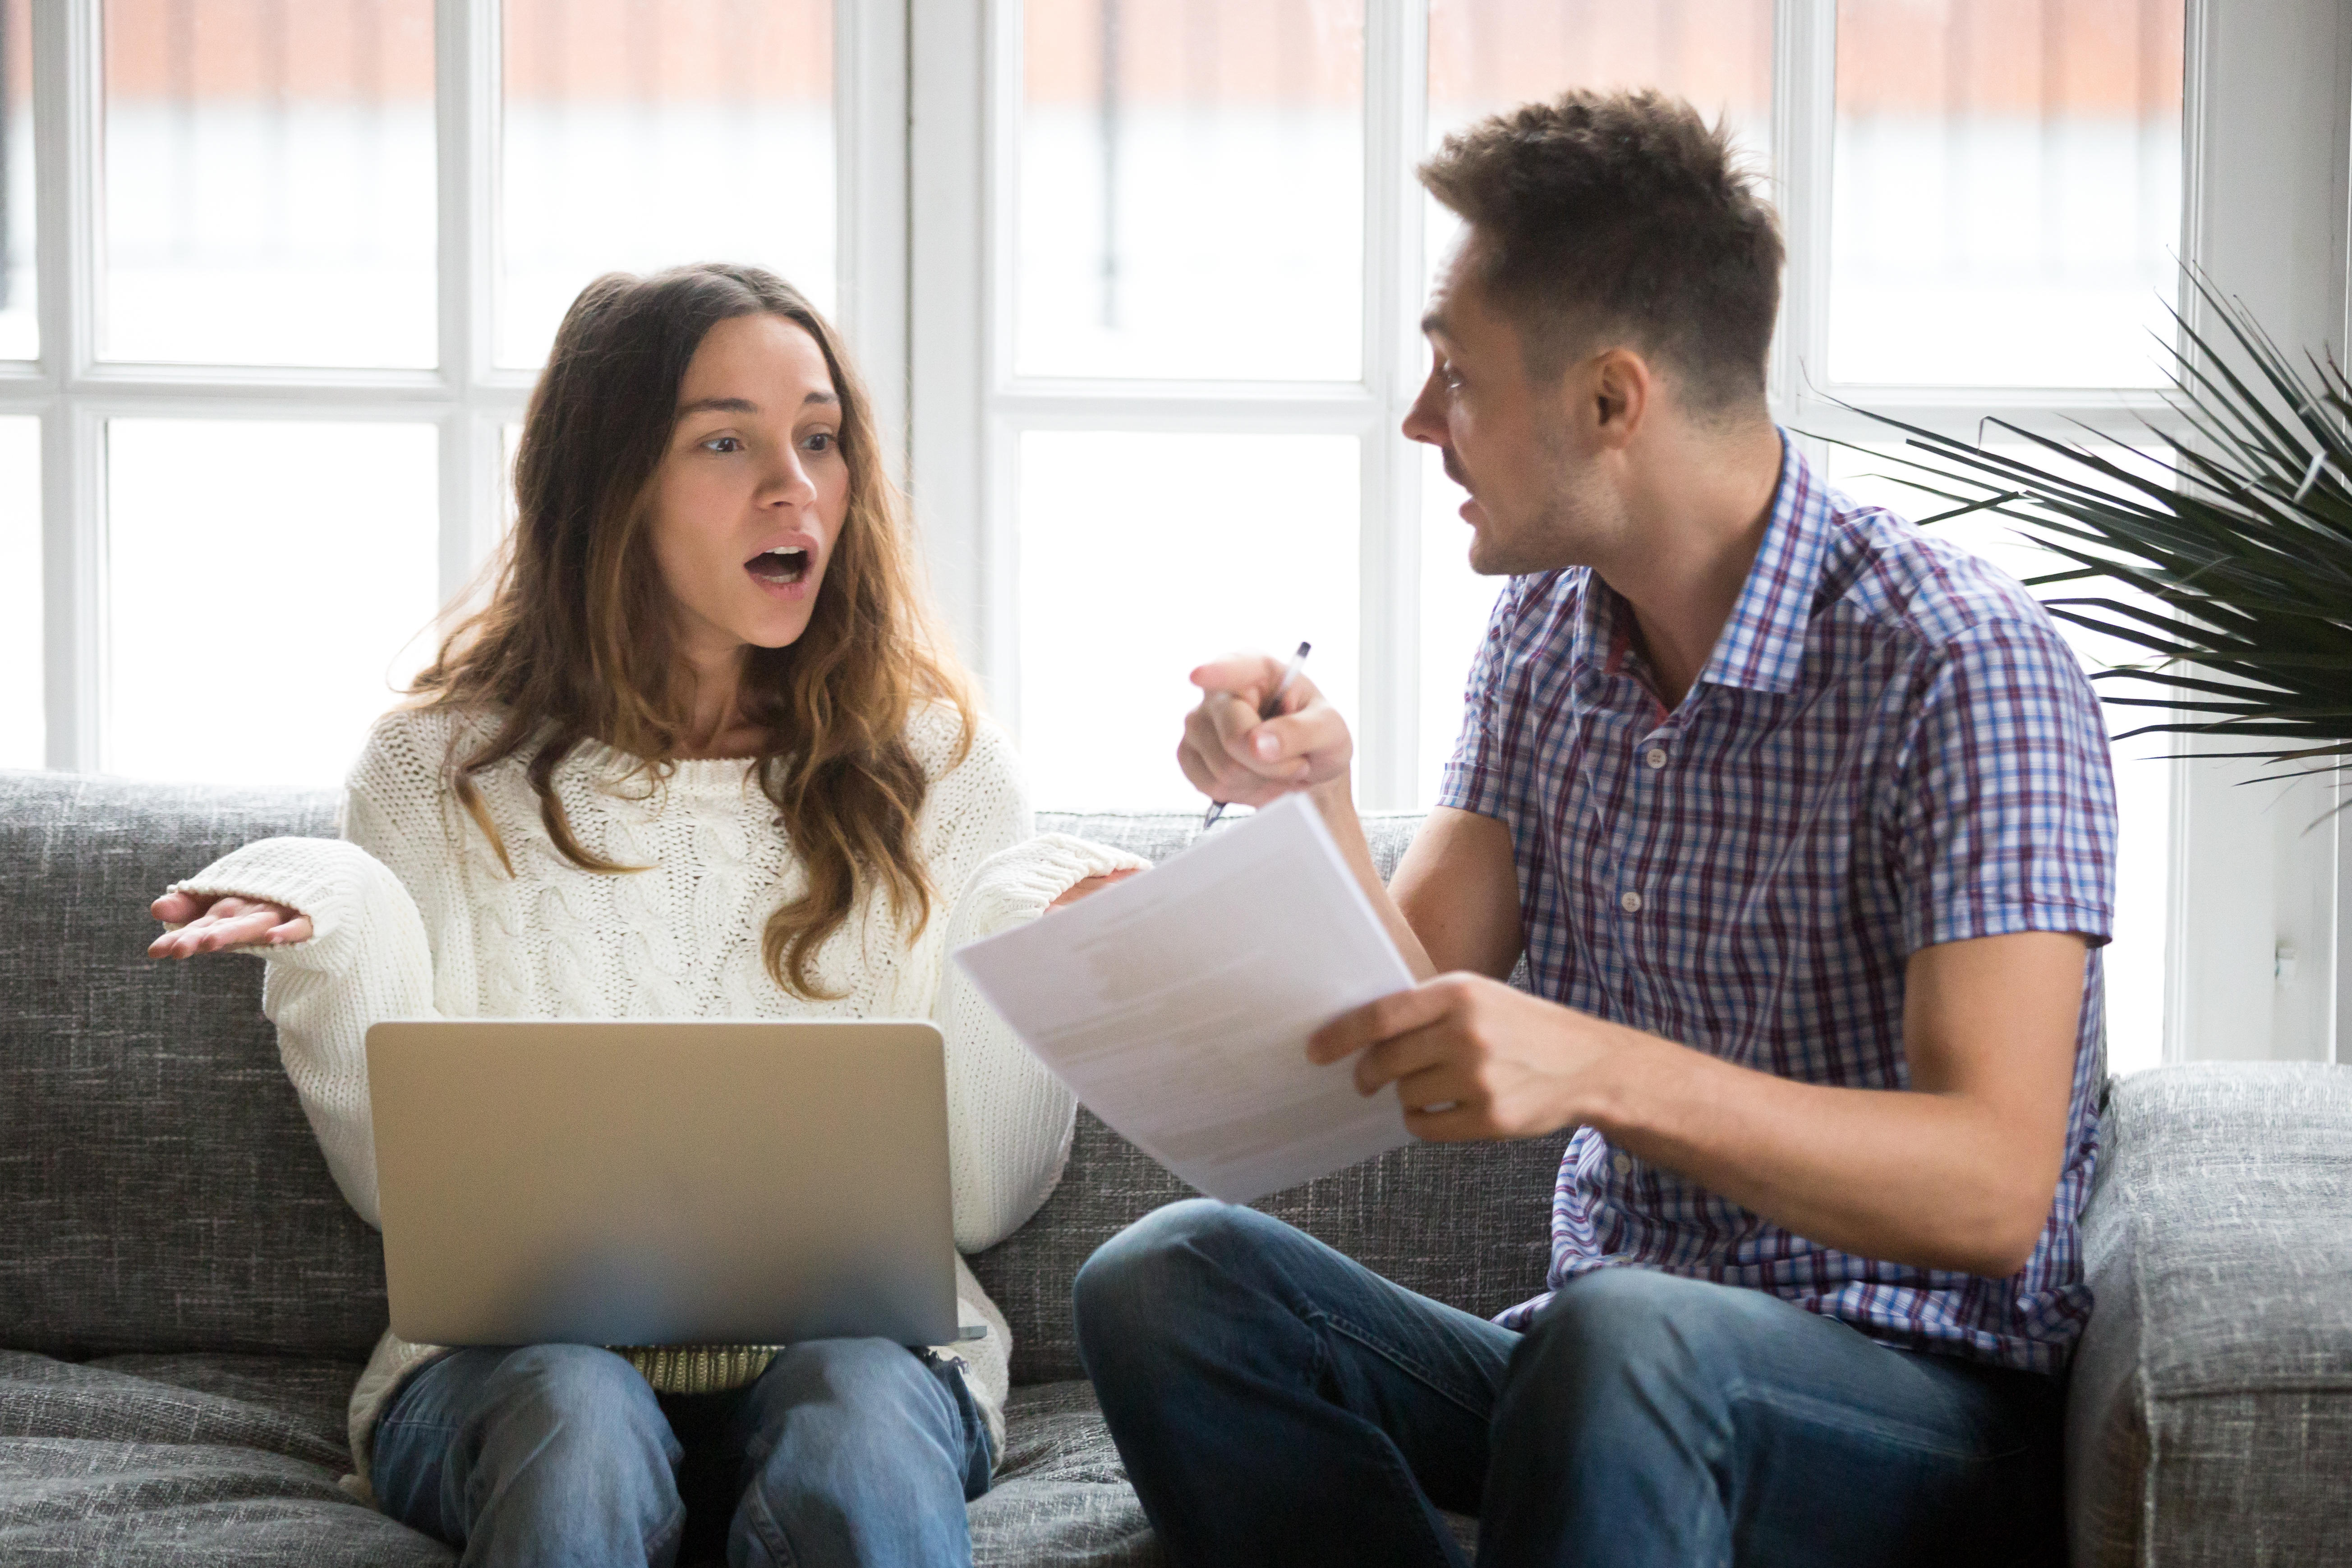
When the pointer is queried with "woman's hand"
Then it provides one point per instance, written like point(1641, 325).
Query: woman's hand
point(1078, 891)
point(208, 925)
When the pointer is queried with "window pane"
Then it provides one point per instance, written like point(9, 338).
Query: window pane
point(1143, 556)
point(305, 552)
point(2135, 960)
point(639, 134)
point(1486, 56)
point(1455, 604)
point(22, 743)
point(270, 182)
point(2007, 191)
point(1192, 188)
point(20, 336)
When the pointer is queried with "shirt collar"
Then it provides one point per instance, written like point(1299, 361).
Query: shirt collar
point(1762, 646)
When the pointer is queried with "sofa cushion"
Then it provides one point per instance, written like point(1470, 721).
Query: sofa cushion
point(159, 1184)
point(185, 1460)
point(2210, 1418)
point(1061, 1498)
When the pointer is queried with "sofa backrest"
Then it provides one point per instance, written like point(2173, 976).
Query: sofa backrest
point(159, 1189)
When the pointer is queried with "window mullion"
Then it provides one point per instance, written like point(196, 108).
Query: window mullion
point(1395, 95)
point(948, 307)
point(1805, 124)
point(466, 102)
point(66, 102)
point(870, 69)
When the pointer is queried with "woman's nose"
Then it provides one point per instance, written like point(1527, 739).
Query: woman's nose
point(788, 482)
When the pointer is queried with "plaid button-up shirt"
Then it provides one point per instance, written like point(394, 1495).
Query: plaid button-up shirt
point(1890, 747)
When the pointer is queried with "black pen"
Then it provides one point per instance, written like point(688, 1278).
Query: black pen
point(1266, 709)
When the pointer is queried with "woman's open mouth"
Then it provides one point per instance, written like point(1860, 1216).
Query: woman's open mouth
point(779, 567)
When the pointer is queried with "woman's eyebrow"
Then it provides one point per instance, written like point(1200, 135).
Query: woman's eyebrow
point(718, 406)
point(743, 405)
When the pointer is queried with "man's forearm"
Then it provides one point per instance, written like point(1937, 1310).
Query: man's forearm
point(1936, 1181)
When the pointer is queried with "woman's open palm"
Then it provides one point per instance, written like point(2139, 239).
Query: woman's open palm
point(208, 925)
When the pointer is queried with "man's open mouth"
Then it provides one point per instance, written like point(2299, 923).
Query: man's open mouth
point(779, 566)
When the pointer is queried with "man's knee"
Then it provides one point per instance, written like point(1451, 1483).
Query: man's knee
point(1174, 1259)
point(1652, 1341)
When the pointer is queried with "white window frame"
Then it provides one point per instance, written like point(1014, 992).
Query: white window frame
point(468, 397)
point(2248, 169)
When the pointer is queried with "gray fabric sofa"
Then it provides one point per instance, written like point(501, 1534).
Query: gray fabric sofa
point(184, 1300)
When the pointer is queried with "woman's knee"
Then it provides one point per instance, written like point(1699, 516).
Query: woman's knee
point(576, 1396)
point(857, 1376)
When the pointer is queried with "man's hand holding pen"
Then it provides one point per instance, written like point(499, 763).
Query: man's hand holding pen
point(1230, 754)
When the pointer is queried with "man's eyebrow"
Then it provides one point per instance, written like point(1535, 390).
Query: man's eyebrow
point(1432, 322)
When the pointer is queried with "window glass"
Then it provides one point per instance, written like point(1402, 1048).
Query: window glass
point(269, 177)
point(22, 743)
point(20, 336)
point(1486, 56)
point(1190, 189)
point(2006, 192)
point(2135, 960)
point(305, 553)
point(638, 134)
point(1141, 556)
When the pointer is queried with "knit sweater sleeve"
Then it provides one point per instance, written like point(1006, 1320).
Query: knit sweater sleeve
point(367, 958)
point(1009, 1119)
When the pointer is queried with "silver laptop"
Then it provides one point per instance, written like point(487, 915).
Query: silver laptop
point(663, 1183)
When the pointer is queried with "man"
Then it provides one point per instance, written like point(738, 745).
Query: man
point(1803, 823)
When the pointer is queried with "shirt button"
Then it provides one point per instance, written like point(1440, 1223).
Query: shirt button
point(1630, 902)
point(1657, 757)
point(1621, 1163)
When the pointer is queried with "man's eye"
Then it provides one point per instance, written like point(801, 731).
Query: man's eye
point(723, 444)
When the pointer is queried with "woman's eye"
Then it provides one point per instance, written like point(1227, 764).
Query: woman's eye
point(723, 444)
point(821, 441)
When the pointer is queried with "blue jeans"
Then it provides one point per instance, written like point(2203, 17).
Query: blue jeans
point(843, 1452)
point(1276, 1402)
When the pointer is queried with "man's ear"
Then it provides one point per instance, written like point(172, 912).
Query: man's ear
point(1621, 389)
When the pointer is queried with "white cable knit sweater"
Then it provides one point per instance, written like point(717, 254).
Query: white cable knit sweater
point(413, 917)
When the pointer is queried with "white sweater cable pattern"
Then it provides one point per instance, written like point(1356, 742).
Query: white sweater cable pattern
point(414, 917)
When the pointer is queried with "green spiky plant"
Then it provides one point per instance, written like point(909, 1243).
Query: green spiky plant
point(2248, 550)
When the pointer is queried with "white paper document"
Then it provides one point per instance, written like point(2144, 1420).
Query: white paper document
point(1178, 1005)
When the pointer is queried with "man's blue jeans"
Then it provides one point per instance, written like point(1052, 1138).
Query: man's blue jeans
point(1275, 1403)
point(844, 1452)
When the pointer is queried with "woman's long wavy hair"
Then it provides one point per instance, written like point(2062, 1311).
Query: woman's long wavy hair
point(577, 641)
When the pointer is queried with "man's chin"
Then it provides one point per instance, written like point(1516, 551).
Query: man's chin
point(1489, 557)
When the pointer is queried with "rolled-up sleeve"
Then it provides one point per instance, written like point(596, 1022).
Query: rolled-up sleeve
point(2008, 807)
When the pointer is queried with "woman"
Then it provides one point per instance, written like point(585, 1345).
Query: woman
point(702, 755)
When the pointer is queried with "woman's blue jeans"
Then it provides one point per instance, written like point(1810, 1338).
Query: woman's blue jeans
point(1276, 1402)
point(843, 1452)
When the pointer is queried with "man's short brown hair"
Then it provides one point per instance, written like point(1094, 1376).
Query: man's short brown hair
point(1600, 214)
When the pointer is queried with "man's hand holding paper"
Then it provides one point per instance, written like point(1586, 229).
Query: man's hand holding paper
point(1178, 1004)
point(1471, 1057)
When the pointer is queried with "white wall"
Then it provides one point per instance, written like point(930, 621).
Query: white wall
point(2271, 81)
